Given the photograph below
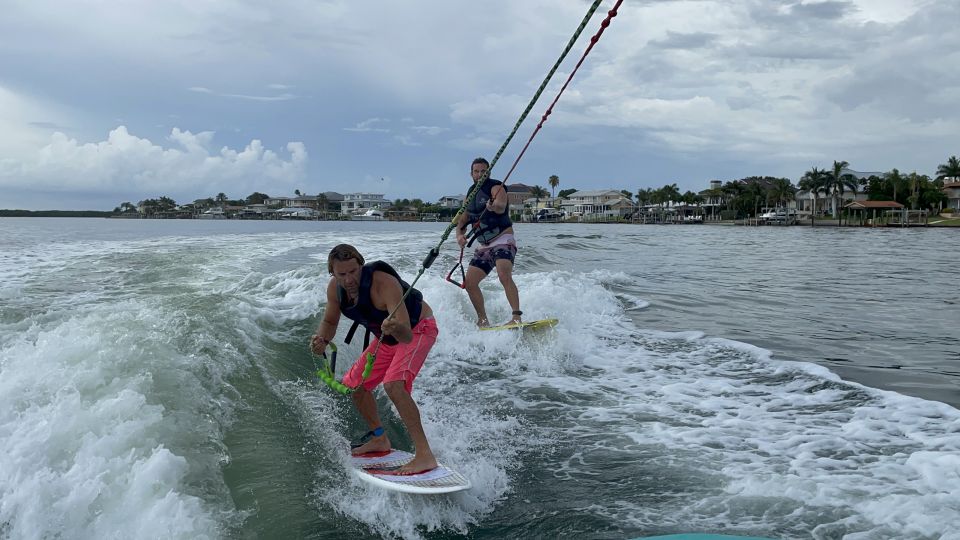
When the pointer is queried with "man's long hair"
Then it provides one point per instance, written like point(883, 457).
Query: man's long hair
point(343, 252)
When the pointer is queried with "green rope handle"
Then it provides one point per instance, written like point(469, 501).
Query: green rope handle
point(435, 252)
point(369, 367)
point(326, 374)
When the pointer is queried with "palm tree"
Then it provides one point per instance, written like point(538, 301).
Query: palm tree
point(837, 180)
point(814, 181)
point(950, 169)
point(221, 198)
point(894, 181)
point(166, 204)
point(782, 190)
point(757, 193)
point(553, 181)
point(644, 196)
point(734, 192)
point(671, 193)
point(538, 192)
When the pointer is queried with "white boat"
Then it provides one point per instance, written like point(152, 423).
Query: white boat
point(370, 214)
point(297, 212)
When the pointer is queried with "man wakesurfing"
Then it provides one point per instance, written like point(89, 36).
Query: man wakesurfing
point(366, 293)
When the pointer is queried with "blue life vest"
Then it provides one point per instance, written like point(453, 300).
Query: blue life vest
point(363, 313)
point(486, 224)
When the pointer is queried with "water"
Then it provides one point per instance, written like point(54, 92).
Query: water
point(781, 382)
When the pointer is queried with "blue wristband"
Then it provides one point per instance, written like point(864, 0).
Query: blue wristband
point(378, 432)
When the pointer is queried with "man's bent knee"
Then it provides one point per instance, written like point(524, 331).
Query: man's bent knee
point(395, 389)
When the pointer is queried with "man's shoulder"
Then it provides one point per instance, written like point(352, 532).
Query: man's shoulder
point(383, 276)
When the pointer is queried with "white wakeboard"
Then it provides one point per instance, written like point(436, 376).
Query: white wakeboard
point(380, 469)
point(531, 325)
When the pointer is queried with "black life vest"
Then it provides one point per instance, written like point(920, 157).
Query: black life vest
point(487, 225)
point(363, 313)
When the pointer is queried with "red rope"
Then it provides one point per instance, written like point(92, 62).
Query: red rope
point(593, 41)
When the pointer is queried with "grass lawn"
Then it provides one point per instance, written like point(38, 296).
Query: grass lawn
point(944, 222)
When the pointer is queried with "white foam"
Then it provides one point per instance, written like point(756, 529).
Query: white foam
point(735, 436)
point(84, 449)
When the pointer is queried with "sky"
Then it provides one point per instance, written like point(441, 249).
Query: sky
point(110, 102)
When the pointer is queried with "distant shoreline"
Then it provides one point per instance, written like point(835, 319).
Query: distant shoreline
point(56, 213)
point(934, 223)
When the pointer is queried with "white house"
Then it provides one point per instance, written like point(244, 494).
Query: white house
point(597, 203)
point(356, 201)
point(451, 201)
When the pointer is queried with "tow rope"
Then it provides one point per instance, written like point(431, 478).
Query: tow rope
point(593, 41)
point(326, 373)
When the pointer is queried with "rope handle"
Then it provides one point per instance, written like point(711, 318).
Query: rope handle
point(463, 276)
point(326, 372)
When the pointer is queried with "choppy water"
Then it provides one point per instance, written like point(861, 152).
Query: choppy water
point(790, 383)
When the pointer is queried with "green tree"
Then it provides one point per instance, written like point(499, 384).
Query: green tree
point(644, 196)
point(165, 204)
point(950, 169)
point(814, 182)
point(757, 195)
point(553, 181)
point(782, 191)
point(565, 193)
point(256, 198)
point(736, 201)
point(897, 187)
point(671, 193)
point(538, 193)
point(837, 182)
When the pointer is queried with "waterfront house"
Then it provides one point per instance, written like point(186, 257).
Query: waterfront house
point(352, 202)
point(952, 191)
point(598, 204)
point(516, 194)
point(451, 201)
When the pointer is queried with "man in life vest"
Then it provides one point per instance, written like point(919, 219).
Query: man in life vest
point(493, 232)
point(367, 293)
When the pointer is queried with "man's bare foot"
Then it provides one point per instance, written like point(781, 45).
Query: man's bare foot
point(483, 322)
point(375, 444)
point(419, 463)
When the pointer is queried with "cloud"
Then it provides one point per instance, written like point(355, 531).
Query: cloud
point(406, 140)
point(125, 163)
point(676, 40)
point(280, 97)
point(429, 130)
point(369, 125)
point(822, 10)
point(743, 85)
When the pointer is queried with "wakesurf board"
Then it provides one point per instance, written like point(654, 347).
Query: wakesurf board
point(526, 325)
point(380, 469)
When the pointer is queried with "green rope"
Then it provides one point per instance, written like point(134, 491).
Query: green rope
point(326, 374)
point(476, 187)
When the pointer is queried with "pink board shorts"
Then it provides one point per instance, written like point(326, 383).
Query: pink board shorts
point(400, 362)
